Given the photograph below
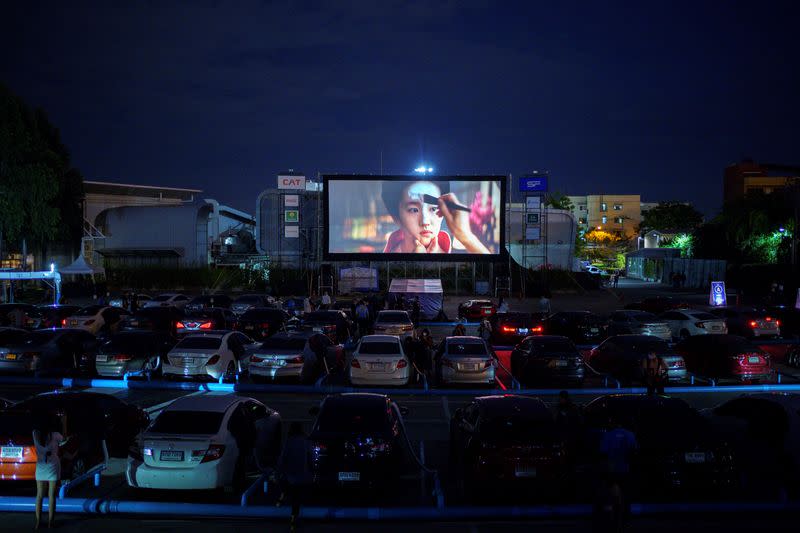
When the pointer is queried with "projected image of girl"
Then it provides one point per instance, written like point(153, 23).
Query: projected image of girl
point(419, 207)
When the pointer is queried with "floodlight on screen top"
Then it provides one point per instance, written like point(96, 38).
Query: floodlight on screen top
point(430, 218)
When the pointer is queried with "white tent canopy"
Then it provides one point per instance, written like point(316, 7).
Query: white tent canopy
point(428, 291)
point(80, 266)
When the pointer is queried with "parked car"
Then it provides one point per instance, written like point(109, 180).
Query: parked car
point(684, 323)
point(788, 319)
point(581, 327)
point(248, 301)
point(638, 323)
point(163, 319)
point(657, 304)
point(293, 306)
point(133, 352)
point(621, 357)
point(547, 359)
point(508, 439)
point(510, 328)
point(206, 442)
point(379, 360)
point(357, 439)
point(50, 352)
point(97, 319)
point(212, 355)
point(9, 336)
point(119, 301)
point(465, 360)
point(725, 356)
point(210, 318)
point(393, 323)
point(476, 309)
point(677, 448)
point(198, 303)
point(168, 299)
point(55, 316)
point(31, 316)
point(101, 416)
point(591, 269)
point(334, 324)
point(261, 322)
point(748, 321)
point(290, 355)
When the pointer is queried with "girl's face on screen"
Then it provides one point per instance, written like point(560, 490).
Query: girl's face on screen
point(419, 220)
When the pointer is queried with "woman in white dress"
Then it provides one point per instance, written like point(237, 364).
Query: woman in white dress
point(48, 469)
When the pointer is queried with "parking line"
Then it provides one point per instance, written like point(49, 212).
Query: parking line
point(446, 407)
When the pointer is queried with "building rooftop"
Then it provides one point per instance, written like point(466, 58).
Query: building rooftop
point(149, 191)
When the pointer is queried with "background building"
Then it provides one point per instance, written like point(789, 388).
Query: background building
point(748, 176)
point(615, 213)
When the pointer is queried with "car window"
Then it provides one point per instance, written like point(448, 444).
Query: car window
point(394, 317)
point(673, 315)
point(552, 345)
point(181, 298)
point(200, 343)
point(162, 298)
point(336, 417)
point(526, 345)
point(466, 348)
point(187, 422)
point(379, 348)
point(255, 411)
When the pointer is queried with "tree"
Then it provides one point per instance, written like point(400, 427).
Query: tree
point(559, 200)
point(671, 216)
point(40, 194)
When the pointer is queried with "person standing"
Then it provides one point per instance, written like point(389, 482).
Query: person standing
point(295, 467)
point(485, 329)
point(307, 305)
point(326, 300)
point(415, 311)
point(618, 447)
point(48, 467)
point(502, 306)
point(544, 304)
point(362, 316)
point(654, 373)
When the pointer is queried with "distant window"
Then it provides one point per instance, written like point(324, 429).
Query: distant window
point(604, 207)
point(617, 207)
point(618, 220)
point(604, 219)
point(582, 220)
point(582, 207)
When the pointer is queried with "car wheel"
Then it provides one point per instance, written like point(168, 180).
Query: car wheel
point(230, 373)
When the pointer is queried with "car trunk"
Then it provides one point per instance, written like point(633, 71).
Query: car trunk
point(175, 451)
point(189, 358)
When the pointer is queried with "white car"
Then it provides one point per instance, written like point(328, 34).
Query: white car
point(684, 323)
point(96, 319)
point(290, 355)
point(465, 360)
point(379, 360)
point(168, 299)
point(595, 270)
point(211, 356)
point(394, 323)
point(205, 442)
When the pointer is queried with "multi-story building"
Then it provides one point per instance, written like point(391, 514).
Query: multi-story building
point(748, 176)
point(615, 213)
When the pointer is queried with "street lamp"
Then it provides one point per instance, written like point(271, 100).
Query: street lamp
point(422, 169)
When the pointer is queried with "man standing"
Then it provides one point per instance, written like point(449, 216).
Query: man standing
point(654, 373)
point(326, 300)
point(415, 310)
point(362, 316)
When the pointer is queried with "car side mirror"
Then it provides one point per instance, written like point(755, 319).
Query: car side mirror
point(314, 411)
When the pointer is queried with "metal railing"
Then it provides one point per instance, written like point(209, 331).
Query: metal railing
point(92, 473)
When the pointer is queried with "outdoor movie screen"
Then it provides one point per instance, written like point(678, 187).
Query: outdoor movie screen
point(428, 218)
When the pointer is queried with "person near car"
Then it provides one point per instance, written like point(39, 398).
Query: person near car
point(415, 311)
point(568, 420)
point(617, 447)
point(48, 440)
point(654, 372)
point(502, 306)
point(294, 467)
point(459, 331)
point(544, 303)
point(485, 329)
point(362, 317)
point(326, 300)
point(307, 305)
point(425, 348)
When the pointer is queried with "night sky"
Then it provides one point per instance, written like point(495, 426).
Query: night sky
point(641, 97)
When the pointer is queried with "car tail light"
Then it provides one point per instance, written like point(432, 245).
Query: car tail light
point(700, 325)
point(89, 322)
point(778, 323)
point(295, 360)
point(122, 357)
point(64, 322)
point(180, 325)
point(355, 364)
point(408, 327)
point(753, 324)
point(448, 363)
point(213, 453)
point(265, 325)
point(206, 325)
point(256, 359)
point(768, 319)
point(197, 454)
point(147, 452)
point(537, 329)
point(402, 363)
point(214, 360)
point(509, 329)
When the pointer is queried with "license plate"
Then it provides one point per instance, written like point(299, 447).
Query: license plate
point(250, 328)
point(523, 330)
point(11, 452)
point(134, 323)
point(349, 476)
point(101, 358)
point(317, 330)
point(10, 357)
point(487, 311)
point(594, 330)
point(561, 363)
point(376, 366)
point(754, 359)
point(524, 471)
point(171, 455)
point(715, 328)
point(73, 322)
point(695, 457)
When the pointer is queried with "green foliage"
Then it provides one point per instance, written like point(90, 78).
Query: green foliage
point(40, 195)
point(684, 242)
point(670, 216)
point(559, 200)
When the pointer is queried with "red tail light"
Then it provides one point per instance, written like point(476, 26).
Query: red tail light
point(537, 329)
point(180, 325)
point(256, 359)
point(355, 364)
point(402, 363)
point(408, 328)
point(508, 329)
point(778, 323)
point(753, 324)
point(206, 325)
point(295, 360)
point(265, 325)
point(213, 453)
point(214, 360)
point(122, 357)
point(768, 319)
point(64, 322)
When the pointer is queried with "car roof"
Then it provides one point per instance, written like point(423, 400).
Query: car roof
point(213, 403)
point(639, 400)
point(379, 338)
point(210, 334)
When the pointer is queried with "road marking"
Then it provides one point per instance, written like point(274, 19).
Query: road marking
point(446, 407)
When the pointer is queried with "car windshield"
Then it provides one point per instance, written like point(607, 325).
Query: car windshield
point(552, 345)
point(379, 348)
point(129, 342)
point(40, 337)
point(518, 428)
point(187, 422)
point(12, 336)
point(16, 428)
point(200, 343)
point(351, 418)
point(466, 348)
point(644, 317)
point(394, 318)
point(516, 319)
point(263, 314)
point(203, 313)
point(162, 298)
point(279, 343)
point(89, 311)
